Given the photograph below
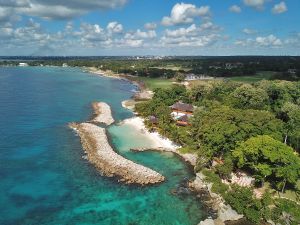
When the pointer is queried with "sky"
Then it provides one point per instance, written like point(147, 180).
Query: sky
point(149, 27)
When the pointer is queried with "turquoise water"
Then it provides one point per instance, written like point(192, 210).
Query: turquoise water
point(43, 178)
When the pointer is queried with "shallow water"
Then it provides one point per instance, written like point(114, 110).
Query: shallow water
point(43, 178)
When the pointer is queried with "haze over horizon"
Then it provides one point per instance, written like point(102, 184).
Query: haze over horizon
point(131, 27)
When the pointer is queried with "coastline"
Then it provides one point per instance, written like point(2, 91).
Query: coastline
point(224, 212)
point(96, 71)
point(142, 94)
point(108, 162)
point(160, 143)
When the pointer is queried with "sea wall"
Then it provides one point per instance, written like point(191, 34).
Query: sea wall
point(102, 113)
point(100, 153)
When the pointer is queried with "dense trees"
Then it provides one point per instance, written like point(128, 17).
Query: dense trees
point(253, 127)
point(291, 114)
point(167, 67)
point(269, 158)
point(248, 97)
point(218, 130)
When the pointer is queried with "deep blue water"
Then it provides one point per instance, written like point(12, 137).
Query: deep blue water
point(43, 178)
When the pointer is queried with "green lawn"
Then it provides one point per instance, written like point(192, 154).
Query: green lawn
point(153, 83)
point(171, 67)
point(264, 75)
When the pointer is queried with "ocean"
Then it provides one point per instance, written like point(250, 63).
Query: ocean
point(43, 177)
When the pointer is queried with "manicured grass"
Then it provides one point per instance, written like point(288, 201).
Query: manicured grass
point(171, 67)
point(153, 83)
point(264, 75)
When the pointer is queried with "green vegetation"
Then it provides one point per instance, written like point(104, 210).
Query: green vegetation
point(249, 127)
point(237, 68)
point(269, 158)
point(153, 83)
point(264, 75)
point(282, 211)
point(217, 131)
point(248, 121)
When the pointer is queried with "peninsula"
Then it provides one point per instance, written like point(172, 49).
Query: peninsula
point(99, 152)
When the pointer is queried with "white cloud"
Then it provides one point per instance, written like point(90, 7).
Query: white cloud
point(279, 8)
point(184, 41)
point(129, 43)
point(182, 13)
point(150, 26)
point(249, 31)
point(135, 39)
point(114, 27)
point(204, 35)
point(6, 32)
point(257, 4)
point(189, 31)
point(293, 40)
point(55, 9)
point(138, 34)
point(91, 33)
point(270, 40)
point(266, 41)
point(235, 9)
point(7, 15)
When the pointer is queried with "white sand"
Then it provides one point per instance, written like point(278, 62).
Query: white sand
point(103, 73)
point(157, 139)
point(158, 142)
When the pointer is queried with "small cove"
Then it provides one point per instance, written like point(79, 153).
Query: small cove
point(45, 180)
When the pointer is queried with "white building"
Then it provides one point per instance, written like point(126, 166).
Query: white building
point(23, 64)
point(191, 76)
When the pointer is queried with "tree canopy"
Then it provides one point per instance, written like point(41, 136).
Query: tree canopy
point(268, 157)
point(218, 130)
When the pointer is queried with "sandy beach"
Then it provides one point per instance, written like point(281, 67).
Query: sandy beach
point(100, 153)
point(102, 113)
point(105, 73)
point(159, 143)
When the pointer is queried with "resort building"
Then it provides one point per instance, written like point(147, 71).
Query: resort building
point(181, 112)
point(292, 71)
point(23, 64)
point(191, 77)
point(183, 121)
point(153, 120)
point(184, 108)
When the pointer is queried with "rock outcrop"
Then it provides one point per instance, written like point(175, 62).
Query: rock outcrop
point(217, 203)
point(100, 153)
point(102, 113)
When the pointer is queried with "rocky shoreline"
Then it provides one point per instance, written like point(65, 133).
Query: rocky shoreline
point(224, 212)
point(102, 113)
point(100, 153)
